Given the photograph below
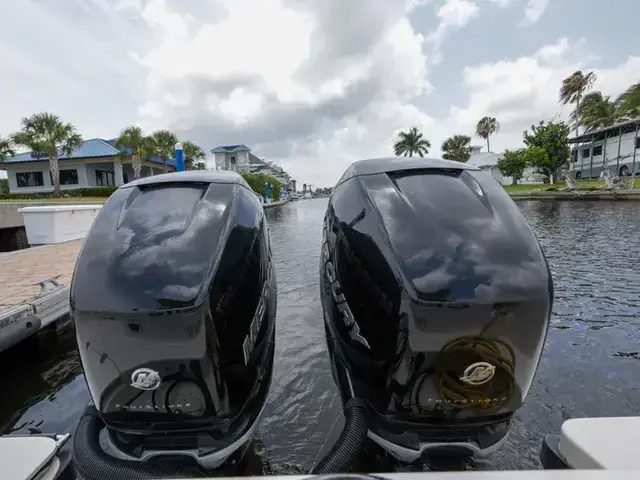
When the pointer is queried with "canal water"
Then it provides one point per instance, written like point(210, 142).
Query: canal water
point(590, 365)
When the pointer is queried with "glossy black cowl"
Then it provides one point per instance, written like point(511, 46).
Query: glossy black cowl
point(174, 303)
point(418, 253)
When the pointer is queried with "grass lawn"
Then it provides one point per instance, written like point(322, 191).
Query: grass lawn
point(60, 200)
point(560, 186)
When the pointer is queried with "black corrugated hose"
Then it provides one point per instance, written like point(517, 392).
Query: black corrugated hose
point(92, 463)
point(343, 453)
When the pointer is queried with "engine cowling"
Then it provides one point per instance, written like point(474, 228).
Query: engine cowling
point(174, 301)
point(437, 298)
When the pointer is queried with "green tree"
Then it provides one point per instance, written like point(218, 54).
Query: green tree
point(538, 158)
point(553, 137)
point(457, 148)
point(486, 127)
point(6, 149)
point(193, 156)
point(512, 164)
point(628, 104)
point(596, 111)
point(47, 135)
point(164, 145)
point(410, 143)
point(572, 89)
point(132, 141)
point(257, 182)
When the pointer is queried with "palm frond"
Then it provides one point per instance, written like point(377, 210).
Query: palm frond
point(6, 149)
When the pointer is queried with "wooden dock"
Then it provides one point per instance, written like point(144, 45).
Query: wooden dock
point(34, 289)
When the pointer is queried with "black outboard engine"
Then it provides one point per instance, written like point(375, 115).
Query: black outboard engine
point(174, 303)
point(437, 298)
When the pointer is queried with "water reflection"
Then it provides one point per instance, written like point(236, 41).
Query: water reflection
point(43, 389)
point(586, 369)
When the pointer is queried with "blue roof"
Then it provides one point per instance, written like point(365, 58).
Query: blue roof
point(94, 148)
point(230, 149)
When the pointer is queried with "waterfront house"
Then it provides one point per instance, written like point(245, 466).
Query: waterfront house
point(488, 162)
point(96, 163)
point(235, 158)
point(239, 158)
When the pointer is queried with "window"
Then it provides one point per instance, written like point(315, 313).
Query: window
point(67, 177)
point(104, 178)
point(597, 150)
point(233, 159)
point(585, 153)
point(574, 156)
point(30, 179)
point(638, 142)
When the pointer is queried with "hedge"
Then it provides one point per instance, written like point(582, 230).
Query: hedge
point(76, 192)
point(257, 180)
point(4, 186)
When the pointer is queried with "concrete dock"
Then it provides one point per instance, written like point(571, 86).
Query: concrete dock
point(35, 289)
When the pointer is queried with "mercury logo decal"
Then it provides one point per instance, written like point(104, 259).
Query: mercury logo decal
point(478, 373)
point(250, 340)
point(145, 379)
point(341, 301)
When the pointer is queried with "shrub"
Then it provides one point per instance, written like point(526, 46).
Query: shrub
point(4, 186)
point(77, 192)
point(257, 180)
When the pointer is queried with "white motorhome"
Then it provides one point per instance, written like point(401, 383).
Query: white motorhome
point(616, 148)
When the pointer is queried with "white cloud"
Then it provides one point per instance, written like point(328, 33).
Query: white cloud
point(453, 15)
point(503, 3)
point(523, 91)
point(310, 84)
point(534, 10)
point(333, 81)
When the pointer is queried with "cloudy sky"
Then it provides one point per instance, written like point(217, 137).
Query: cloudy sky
point(310, 84)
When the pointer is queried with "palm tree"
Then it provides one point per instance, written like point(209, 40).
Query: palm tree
point(164, 143)
point(573, 88)
point(148, 148)
point(6, 150)
point(132, 140)
point(596, 111)
point(193, 156)
point(411, 142)
point(457, 148)
point(628, 104)
point(47, 135)
point(486, 127)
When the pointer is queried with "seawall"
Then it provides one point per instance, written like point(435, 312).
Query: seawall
point(578, 195)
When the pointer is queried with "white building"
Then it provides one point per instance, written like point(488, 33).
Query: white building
point(237, 158)
point(96, 163)
point(617, 147)
point(489, 163)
